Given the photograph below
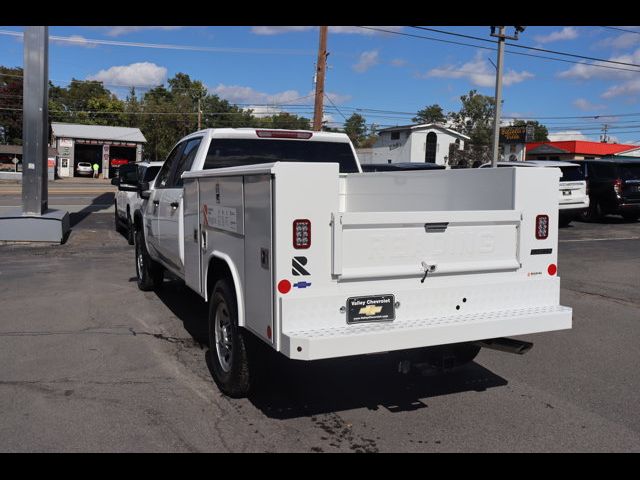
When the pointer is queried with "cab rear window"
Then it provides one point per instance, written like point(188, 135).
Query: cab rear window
point(572, 174)
point(629, 172)
point(230, 152)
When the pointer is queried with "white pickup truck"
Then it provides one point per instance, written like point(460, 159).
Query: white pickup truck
point(293, 246)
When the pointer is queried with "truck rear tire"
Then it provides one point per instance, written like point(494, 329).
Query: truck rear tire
point(228, 344)
point(149, 273)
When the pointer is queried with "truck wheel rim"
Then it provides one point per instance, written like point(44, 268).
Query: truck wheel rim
point(139, 262)
point(222, 329)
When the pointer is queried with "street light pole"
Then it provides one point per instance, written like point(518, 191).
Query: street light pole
point(498, 107)
point(496, 118)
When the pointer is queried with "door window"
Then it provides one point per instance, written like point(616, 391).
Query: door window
point(163, 176)
point(185, 161)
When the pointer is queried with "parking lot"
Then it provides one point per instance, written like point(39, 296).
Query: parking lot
point(90, 363)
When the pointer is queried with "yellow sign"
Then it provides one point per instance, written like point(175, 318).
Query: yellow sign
point(369, 310)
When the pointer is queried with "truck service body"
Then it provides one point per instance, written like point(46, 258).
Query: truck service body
point(326, 261)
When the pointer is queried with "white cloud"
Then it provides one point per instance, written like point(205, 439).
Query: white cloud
point(241, 94)
point(567, 33)
point(142, 73)
point(586, 71)
point(586, 106)
point(366, 61)
point(278, 30)
point(399, 62)
point(479, 72)
point(568, 135)
point(512, 77)
point(118, 31)
point(625, 40)
point(74, 41)
point(631, 87)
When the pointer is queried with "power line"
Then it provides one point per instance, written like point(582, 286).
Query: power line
point(164, 46)
point(622, 29)
point(594, 65)
point(528, 47)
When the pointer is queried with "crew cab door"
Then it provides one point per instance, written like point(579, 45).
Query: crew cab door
point(171, 209)
point(152, 211)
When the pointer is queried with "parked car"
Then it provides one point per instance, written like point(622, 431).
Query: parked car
point(126, 203)
point(84, 168)
point(614, 188)
point(398, 167)
point(573, 193)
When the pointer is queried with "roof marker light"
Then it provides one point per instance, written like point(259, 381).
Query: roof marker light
point(283, 134)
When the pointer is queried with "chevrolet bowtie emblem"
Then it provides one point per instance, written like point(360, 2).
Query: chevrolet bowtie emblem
point(369, 310)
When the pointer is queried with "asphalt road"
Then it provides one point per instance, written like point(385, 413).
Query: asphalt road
point(72, 195)
point(90, 363)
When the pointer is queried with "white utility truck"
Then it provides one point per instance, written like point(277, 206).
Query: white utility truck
point(293, 246)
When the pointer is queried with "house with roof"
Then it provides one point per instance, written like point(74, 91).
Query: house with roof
point(107, 146)
point(576, 150)
point(427, 142)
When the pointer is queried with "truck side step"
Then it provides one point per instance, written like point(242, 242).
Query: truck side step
point(510, 345)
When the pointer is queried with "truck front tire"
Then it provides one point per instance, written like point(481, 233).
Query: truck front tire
point(228, 344)
point(148, 272)
point(130, 229)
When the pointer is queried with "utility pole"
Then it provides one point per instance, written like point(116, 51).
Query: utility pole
point(199, 115)
point(496, 120)
point(320, 72)
point(604, 138)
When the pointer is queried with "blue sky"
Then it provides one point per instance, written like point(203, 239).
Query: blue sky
point(367, 69)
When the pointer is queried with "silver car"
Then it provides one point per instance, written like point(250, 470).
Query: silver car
point(84, 168)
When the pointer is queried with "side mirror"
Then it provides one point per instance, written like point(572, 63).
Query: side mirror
point(123, 187)
point(143, 189)
point(115, 181)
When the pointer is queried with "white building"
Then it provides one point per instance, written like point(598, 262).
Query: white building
point(427, 142)
point(107, 146)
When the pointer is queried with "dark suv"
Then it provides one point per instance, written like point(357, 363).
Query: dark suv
point(614, 187)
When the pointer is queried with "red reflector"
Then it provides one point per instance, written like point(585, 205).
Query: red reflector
point(269, 332)
point(284, 286)
point(283, 134)
point(542, 227)
point(301, 233)
point(552, 269)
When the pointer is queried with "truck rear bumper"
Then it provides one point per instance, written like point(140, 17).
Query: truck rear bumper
point(316, 344)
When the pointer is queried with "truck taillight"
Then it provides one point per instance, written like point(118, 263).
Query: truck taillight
point(301, 233)
point(542, 227)
point(617, 186)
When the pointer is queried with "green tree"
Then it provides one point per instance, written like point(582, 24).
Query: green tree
point(11, 101)
point(431, 114)
point(541, 133)
point(356, 128)
point(475, 117)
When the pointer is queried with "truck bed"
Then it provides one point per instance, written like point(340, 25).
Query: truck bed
point(375, 235)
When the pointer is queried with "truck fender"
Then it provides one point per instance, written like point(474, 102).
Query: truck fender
point(235, 277)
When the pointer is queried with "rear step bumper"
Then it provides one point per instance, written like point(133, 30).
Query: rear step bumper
point(361, 339)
